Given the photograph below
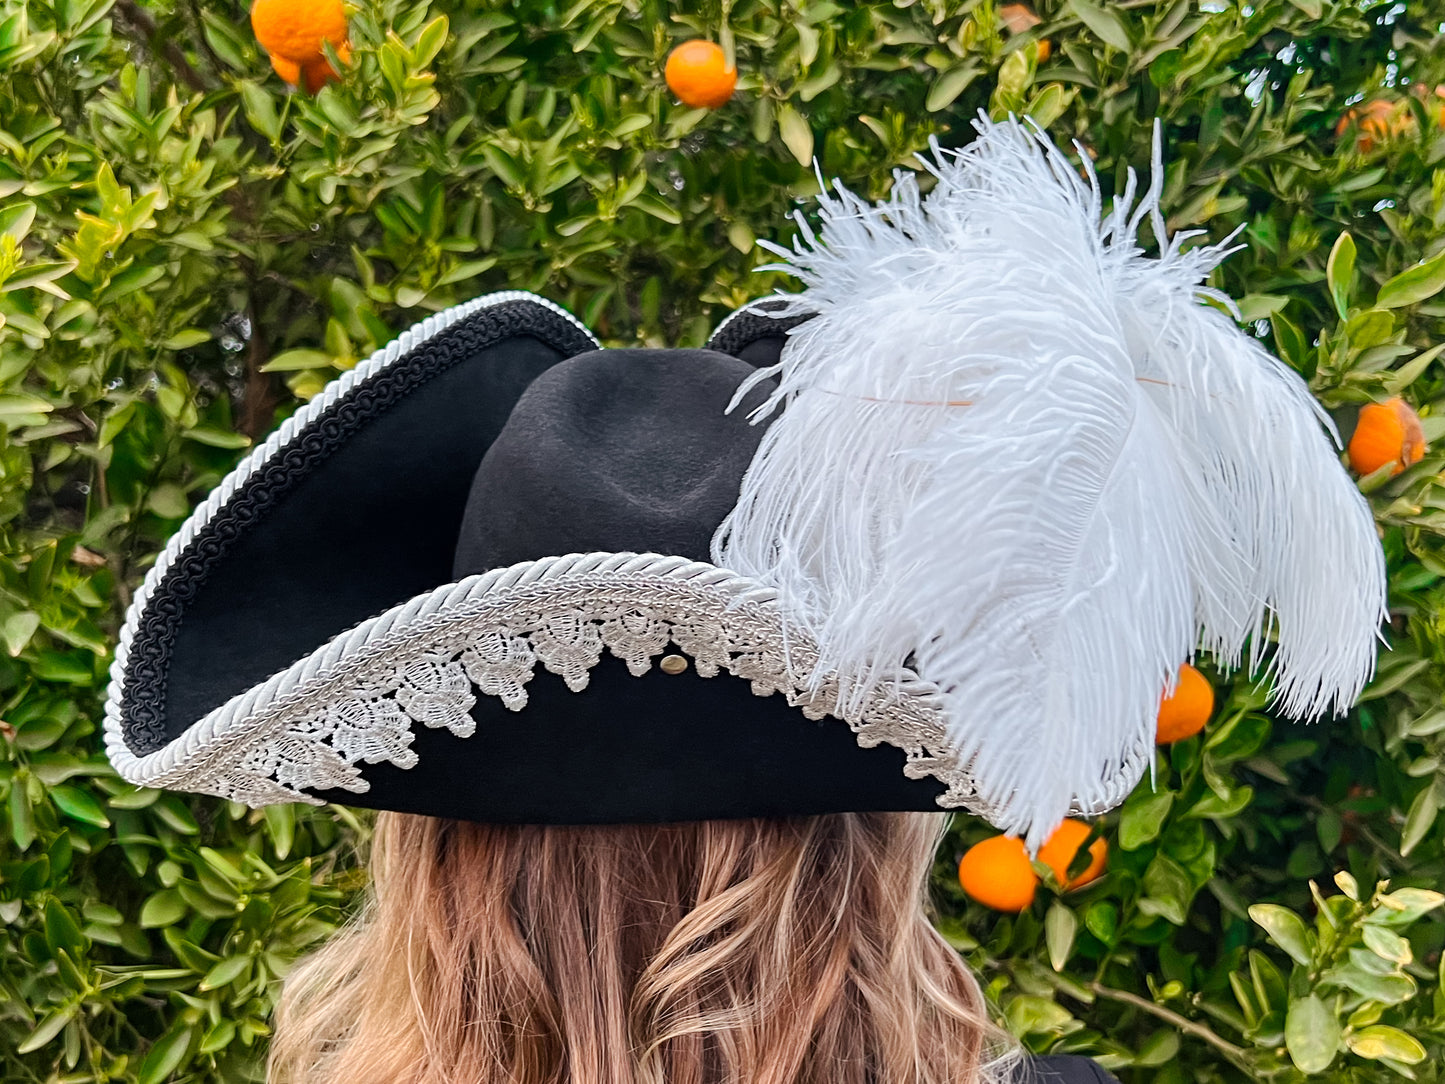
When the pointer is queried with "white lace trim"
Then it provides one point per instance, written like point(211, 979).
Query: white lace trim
point(356, 700)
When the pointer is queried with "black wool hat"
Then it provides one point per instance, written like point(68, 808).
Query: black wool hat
point(470, 580)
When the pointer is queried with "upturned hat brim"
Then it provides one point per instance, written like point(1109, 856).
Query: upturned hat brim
point(463, 657)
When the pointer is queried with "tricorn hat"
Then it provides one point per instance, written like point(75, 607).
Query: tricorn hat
point(934, 532)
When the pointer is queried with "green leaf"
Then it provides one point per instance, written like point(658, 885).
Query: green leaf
point(1416, 284)
point(47, 1029)
point(225, 972)
point(168, 501)
point(1391, 989)
point(62, 934)
point(1106, 25)
point(429, 42)
point(34, 274)
point(1141, 820)
point(1340, 272)
point(1387, 945)
point(1222, 808)
point(1412, 370)
point(163, 909)
point(1028, 1014)
point(1060, 928)
point(949, 85)
point(76, 803)
point(281, 823)
point(165, 1057)
point(22, 820)
point(1290, 342)
point(654, 206)
point(1286, 929)
point(796, 134)
point(217, 438)
point(184, 340)
point(1312, 1034)
point(504, 166)
point(219, 1037)
point(1419, 819)
point(260, 109)
point(1383, 1041)
point(17, 629)
point(1405, 905)
point(290, 360)
point(16, 219)
point(1168, 890)
point(1101, 918)
point(1159, 1049)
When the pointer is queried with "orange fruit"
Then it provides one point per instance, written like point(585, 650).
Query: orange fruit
point(296, 30)
point(315, 72)
point(1058, 854)
point(997, 873)
point(288, 70)
point(1388, 432)
point(699, 74)
point(1376, 120)
point(1183, 713)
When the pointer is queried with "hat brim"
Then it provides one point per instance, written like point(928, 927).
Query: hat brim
point(350, 507)
point(458, 658)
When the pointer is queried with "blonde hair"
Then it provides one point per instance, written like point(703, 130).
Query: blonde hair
point(793, 951)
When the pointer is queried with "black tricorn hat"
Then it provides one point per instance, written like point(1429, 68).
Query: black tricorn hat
point(496, 573)
point(470, 579)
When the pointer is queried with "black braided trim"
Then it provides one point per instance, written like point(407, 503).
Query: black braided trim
point(746, 328)
point(142, 708)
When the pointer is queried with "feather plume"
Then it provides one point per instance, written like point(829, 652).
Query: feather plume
point(1042, 468)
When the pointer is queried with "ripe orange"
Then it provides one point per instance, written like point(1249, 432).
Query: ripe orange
point(295, 29)
point(288, 70)
point(1376, 120)
point(1388, 432)
point(316, 72)
point(997, 873)
point(1058, 854)
point(699, 74)
point(1183, 714)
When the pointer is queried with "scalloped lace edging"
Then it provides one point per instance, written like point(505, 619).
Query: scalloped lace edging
point(431, 673)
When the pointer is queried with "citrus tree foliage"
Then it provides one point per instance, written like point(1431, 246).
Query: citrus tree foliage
point(187, 250)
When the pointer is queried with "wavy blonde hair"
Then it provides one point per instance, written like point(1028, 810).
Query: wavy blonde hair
point(793, 951)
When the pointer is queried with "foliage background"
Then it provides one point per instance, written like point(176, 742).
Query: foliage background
point(187, 250)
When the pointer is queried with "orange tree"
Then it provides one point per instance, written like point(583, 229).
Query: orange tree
point(188, 248)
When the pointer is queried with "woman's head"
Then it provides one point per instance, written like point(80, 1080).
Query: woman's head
point(714, 952)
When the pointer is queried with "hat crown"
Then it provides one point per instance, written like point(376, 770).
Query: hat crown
point(613, 450)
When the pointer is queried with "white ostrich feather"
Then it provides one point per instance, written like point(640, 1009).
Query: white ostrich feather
point(1032, 462)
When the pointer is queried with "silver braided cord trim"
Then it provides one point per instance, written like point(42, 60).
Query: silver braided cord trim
point(261, 455)
point(425, 662)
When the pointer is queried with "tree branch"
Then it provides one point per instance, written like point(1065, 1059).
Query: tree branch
point(1237, 1055)
point(259, 396)
point(141, 27)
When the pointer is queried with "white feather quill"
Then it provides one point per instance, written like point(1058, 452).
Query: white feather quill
point(1022, 457)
